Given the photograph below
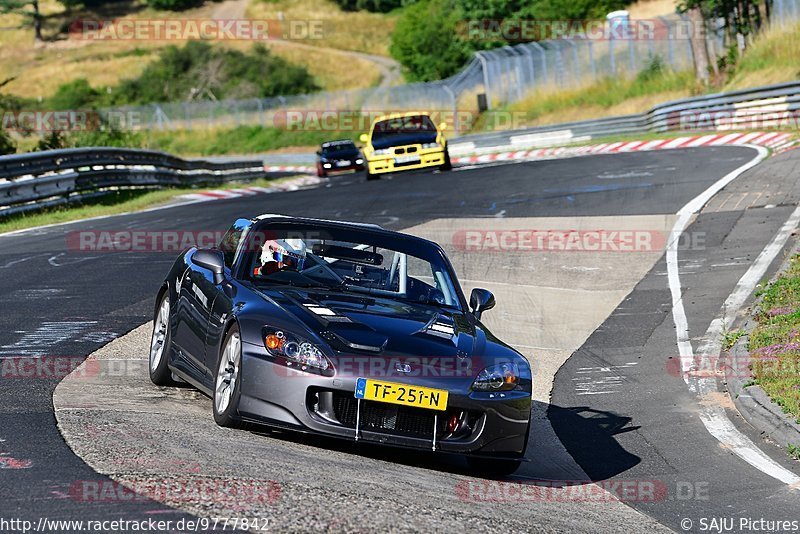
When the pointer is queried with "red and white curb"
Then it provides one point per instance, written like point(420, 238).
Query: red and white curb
point(286, 185)
point(777, 141)
point(299, 169)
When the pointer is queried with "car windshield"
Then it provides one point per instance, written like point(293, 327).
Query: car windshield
point(403, 125)
point(352, 261)
point(339, 147)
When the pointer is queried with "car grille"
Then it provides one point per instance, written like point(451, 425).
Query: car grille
point(388, 418)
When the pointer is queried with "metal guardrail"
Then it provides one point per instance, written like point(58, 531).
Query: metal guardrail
point(758, 108)
point(34, 180)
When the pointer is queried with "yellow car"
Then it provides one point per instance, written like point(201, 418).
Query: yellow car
point(406, 141)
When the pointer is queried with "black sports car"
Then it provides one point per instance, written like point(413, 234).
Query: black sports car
point(346, 330)
point(338, 156)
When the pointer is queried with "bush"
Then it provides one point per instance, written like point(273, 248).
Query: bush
point(7, 145)
point(53, 141)
point(654, 69)
point(77, 94)
point(106, 136)
point(199, 71)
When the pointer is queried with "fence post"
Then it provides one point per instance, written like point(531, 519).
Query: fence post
point(631, 56)
point(592, 65)
point(543, 53)
point(670, 44)
point(576, 68)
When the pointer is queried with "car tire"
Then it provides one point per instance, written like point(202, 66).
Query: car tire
point(371, 176)
point(447, 165)
point(227, 381)
point(161, 345)
point(493, 467)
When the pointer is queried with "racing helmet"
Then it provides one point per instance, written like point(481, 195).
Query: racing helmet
point(285, 252)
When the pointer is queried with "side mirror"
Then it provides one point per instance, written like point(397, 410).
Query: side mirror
point(364, 138)
point(319, 152)
point(480, 300)
point(211, 259)
point(442, 126)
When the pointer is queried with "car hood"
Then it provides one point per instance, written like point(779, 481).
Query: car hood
point(356, 323)
point(401, 139)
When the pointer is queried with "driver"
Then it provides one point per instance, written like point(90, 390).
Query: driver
point(281, 254)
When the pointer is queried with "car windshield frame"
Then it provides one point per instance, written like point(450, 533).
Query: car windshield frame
point(378, 132)
point(399, 243)
point(330, 150)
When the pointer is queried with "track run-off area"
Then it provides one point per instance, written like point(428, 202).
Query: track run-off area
point(670, 245)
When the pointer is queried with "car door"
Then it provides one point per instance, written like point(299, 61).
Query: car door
point(195, 299)
point(224, 293)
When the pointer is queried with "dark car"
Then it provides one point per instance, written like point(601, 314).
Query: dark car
point(338, 156)
point(346, 330)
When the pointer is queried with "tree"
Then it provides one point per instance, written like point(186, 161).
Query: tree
point(425, 40)
point(19, 7)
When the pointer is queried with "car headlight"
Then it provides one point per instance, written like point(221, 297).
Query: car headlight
point(326, 165)
point(426, 146)
point(381, 152)
point(295, 350)
point(359, 161)
point(502, 377)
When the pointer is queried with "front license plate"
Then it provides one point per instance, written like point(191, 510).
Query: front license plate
point(406, 159)
point(394, 393)
point(343, 163)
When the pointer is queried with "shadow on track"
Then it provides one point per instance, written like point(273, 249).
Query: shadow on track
point(589, 437)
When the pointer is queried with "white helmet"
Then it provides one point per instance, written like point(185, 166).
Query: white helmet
point(286, 252)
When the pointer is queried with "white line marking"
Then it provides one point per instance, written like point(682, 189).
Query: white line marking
point(713, 416)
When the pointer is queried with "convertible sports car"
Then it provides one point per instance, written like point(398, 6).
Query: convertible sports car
point(346, 330)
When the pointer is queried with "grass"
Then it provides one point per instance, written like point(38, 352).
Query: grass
point(772, 58)
point(358, 31)
point(239, 140)
point(115, 202)
point(775, 343)
point(607, 97)
point(730, 337)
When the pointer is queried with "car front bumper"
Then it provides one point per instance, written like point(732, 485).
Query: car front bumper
point(385, 164)
point(275, 395)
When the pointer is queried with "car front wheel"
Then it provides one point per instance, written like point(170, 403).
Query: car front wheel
point(227, 385)
point(160, 345)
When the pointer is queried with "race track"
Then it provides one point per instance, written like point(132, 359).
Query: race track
point(604, 316)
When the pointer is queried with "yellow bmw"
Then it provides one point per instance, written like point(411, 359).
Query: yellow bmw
point(404, 141)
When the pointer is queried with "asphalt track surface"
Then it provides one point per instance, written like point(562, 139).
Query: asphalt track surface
point(63, 302)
